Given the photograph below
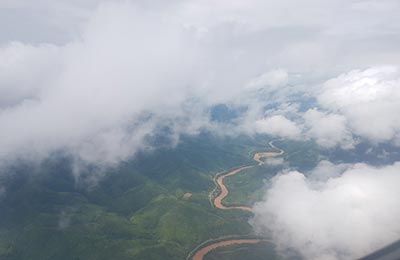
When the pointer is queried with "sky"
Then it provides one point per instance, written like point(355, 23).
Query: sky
point(96, 78)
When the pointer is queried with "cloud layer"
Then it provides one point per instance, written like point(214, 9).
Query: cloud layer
point(130, 73)
point(367, 96)
point(127, 69)
point(98, 79)
point(278, 126)
point(345, 217)
point(98, 96)
point(355, 105)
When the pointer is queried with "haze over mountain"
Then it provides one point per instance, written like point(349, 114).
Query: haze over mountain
point(103, 85)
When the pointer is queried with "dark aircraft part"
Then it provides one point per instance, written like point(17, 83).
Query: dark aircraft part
point(390, 252)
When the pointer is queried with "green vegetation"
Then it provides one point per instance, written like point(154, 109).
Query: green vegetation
point(246, 187)
point(300, 155)
point(133, 211)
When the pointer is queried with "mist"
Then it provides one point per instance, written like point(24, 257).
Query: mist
point(97, 80)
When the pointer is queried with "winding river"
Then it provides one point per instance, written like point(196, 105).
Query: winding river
point(201, 252)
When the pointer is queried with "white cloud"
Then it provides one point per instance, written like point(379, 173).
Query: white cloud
point(24, 69)
point(104, 78)
point(271, 79)
point(328, 130)
point(346, 217)
point(278, 126)
point(274, 161)
point(368, 99)
point(101, 95)
point(130, 71)
point(128, 67)
point(326, 170)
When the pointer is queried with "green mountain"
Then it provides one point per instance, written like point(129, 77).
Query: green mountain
point(136, 210)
